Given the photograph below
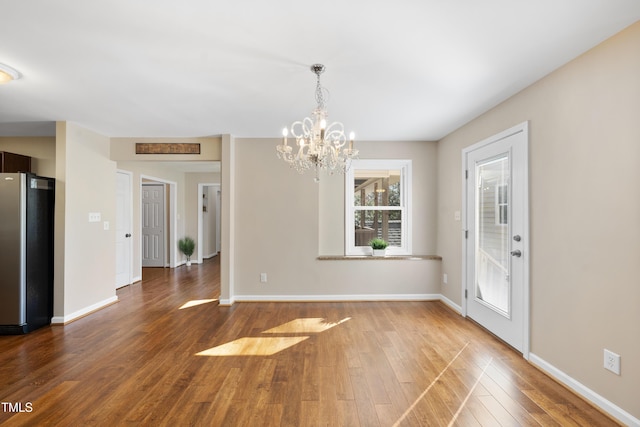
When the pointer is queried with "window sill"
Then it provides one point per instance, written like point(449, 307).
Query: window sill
point(379, 258)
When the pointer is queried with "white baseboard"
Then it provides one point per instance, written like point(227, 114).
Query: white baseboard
point(335, 298)
point(136, 279)
point(62, 320)
point(452, 305)
point(588, 394)
point(226, 302)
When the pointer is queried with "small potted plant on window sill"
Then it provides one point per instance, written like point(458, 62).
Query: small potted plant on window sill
point(379, 246)
point(186, 246)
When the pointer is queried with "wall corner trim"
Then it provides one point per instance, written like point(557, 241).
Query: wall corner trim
point(226, 302)
point(605, 405)
point(63, 320)
point(452, 305)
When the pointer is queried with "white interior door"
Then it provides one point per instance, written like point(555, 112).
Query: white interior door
point(123, 229)
point(153, 241)
point(496, 237)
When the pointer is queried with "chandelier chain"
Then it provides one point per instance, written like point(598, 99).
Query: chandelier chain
point(319, 94)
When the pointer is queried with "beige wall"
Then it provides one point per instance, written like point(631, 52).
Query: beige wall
point(423, 156)
point(85, 252)
point(584, 208)
point(42, 151)
point(277, 227)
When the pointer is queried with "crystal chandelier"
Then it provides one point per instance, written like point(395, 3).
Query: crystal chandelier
point(319, 145)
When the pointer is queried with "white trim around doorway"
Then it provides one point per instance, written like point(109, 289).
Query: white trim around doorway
point(524, 128)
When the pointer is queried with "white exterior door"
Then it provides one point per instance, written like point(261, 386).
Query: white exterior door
point(123, 229)
point(153, 240)
point(496, 236)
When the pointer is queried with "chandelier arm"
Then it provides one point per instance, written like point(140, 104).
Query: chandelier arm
point(337, 138)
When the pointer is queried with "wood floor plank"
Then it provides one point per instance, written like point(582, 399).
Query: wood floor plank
point(480, 412)
point(41, 409)
point(498, 412)
point(141, 362)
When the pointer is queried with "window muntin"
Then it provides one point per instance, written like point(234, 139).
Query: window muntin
point(502, 204)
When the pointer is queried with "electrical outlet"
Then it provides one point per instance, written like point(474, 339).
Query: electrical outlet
point(612, 361)
point(263, 277)
point(94, 216)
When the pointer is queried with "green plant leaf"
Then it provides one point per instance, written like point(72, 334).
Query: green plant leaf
point(187, 246)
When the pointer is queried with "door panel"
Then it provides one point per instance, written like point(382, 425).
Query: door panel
point(496, 238)
point(153, 225)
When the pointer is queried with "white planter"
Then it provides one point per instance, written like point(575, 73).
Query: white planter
point(188, 263)
point(379, 252)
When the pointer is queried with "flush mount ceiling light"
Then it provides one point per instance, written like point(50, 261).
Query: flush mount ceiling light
point(320, 145)
point(8, 74)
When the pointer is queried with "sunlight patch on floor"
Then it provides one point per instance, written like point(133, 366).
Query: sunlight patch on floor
point(310, 325)
point(196, 302)
point(424, 393)
point(267, 346)
point(466, 399)
point(253, 346)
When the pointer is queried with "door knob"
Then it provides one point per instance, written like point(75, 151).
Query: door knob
point(517, 238)
point(516, 253)
point(127, 235)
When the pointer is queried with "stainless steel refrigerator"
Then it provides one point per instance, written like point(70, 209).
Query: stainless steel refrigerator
point(26, 252)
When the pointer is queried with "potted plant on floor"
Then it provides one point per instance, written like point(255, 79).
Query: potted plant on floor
point(379, 246)
point(186, 246)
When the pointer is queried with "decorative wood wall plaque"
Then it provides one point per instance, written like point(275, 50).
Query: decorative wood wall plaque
point(167, 148)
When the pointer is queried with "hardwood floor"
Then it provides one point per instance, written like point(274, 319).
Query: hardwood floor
point(147, 361)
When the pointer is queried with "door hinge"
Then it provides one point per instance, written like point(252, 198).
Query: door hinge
point(466, 234)
point(466, 292)
point(466, 174)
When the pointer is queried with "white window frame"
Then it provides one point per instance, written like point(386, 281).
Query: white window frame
point(406, 191)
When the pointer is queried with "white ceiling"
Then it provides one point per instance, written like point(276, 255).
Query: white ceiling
point(396, 70)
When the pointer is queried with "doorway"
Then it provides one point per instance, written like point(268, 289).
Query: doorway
point(496, 237)
point(171, 219)
point(208, 221)
point(153, 225)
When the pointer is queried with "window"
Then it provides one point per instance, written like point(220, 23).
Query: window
point(502, 204)
point(378, 205)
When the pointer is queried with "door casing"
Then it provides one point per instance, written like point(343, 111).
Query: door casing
point(124, 247)
point(523, 171)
